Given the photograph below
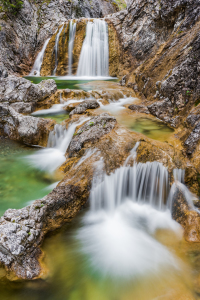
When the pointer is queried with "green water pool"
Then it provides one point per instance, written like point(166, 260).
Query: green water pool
point(76, 84)
point(19, 182)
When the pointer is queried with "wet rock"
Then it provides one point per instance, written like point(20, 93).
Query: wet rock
point(188, 218)
point(82, 107)
point(91, 132)
point(139, 108)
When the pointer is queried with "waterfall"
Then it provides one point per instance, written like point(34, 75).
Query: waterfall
point(179, 180)
point(126, 209)
point(72, 33)
point(57, 48)
point(50, 158)
point(143, 183)
point(38, 62)
point(94, 58)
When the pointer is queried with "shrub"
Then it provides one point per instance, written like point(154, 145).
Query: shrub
point(11, 5)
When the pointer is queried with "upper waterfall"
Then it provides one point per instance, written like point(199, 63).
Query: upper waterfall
point(94, 58)
point(72, 33)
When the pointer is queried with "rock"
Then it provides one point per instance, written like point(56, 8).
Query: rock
point(91, 132)
point(139, 108)
point(193, 139)
point(82, 107)
point(123, 80)
point(189, 219)
point(159, 52)
point(3, 72)
point(15, 89)
point(164, 110)
point(27, 129)
point(23, 108)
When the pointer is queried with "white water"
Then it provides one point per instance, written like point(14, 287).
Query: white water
point(72, 33)
point(179, 175)
point(126, 209)
point(38, 62)
point(50, 158)
point(94, 58)
point(118, 105)
point(57, 48)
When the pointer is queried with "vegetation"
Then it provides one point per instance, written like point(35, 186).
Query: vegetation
point(11, 5)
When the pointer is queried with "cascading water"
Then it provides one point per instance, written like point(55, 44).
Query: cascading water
point(126, 209)
point(72, 33)
point(57, 48)
point(179, 178)
point(50, 158)
point(38, 62)
point(94, 58)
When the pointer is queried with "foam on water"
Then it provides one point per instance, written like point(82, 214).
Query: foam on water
point(117, 106)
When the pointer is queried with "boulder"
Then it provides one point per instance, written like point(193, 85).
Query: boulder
point(91, 131)
point(15, 89)
point(139, 108)
point(26, 129)
point(82, 107)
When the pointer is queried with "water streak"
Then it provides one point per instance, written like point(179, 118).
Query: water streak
point(57, 48)
point(72, 33)
point(38, 62)
point(94, 58)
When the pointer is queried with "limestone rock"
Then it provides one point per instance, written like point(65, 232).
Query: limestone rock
point(15, 89)
point(82, 107)
point(91, 131)
point(27, 129)
point(139, 108)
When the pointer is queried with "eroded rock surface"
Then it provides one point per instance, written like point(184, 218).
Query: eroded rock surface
point(82, 107)
point(27, 129)
point(16, 91)
point(186, 216)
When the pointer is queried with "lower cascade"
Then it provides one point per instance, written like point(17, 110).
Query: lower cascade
point(126, 210)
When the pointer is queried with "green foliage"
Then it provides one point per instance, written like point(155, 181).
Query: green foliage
point(11, 5)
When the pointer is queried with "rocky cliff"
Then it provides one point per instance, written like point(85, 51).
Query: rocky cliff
point(159, 58)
